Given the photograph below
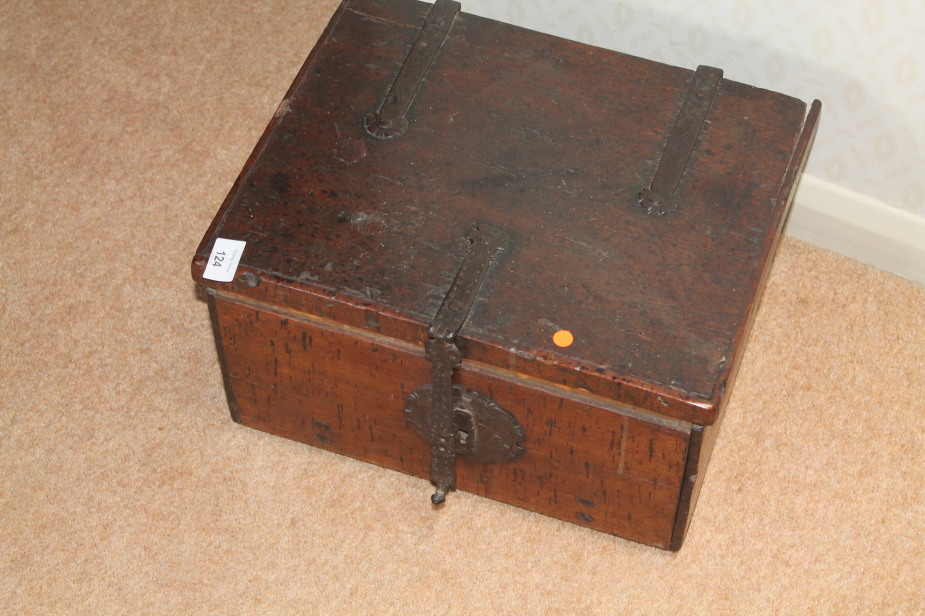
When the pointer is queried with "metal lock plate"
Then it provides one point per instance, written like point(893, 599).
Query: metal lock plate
point(484, 432)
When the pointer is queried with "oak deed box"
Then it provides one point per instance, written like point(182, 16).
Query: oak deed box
point(513, 264)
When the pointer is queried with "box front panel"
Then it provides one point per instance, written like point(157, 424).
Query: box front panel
point(586, 461)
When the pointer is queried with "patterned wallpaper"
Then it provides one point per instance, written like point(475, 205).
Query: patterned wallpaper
point(862, 58)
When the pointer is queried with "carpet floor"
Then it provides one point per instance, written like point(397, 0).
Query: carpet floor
point(125, 488)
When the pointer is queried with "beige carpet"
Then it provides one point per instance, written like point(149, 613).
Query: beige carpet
point(126, 489)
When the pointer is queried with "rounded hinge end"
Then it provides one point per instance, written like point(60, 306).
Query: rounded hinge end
point(382, 127)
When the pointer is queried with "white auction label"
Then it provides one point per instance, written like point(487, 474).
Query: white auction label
point(224, 260)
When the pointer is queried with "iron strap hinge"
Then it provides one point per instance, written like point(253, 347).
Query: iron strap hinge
point(389, 120)
point(661, 196)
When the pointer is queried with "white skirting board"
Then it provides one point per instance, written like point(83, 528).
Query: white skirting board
point(859, 227)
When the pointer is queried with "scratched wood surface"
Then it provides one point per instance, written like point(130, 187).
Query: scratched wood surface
point(556, 142)
point(330, 387)
point(552, 140)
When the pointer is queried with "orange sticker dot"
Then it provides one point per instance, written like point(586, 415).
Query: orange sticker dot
point(563, 338)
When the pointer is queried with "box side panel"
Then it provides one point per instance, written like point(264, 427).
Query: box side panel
point(220, 350)
point(703, 438)
point(344, 390)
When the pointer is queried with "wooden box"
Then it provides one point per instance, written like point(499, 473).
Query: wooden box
point(516, 265)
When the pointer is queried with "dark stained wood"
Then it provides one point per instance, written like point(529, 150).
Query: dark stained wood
point(342, 390)
point(354, 241)
point(334, 216)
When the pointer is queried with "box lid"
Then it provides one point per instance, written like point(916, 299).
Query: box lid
point(556, 142)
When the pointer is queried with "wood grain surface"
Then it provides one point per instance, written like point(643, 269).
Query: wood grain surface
point(552, 140)
point(344, 390)
point(570, 150)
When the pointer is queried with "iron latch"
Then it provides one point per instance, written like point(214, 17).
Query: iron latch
point(451, 419)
